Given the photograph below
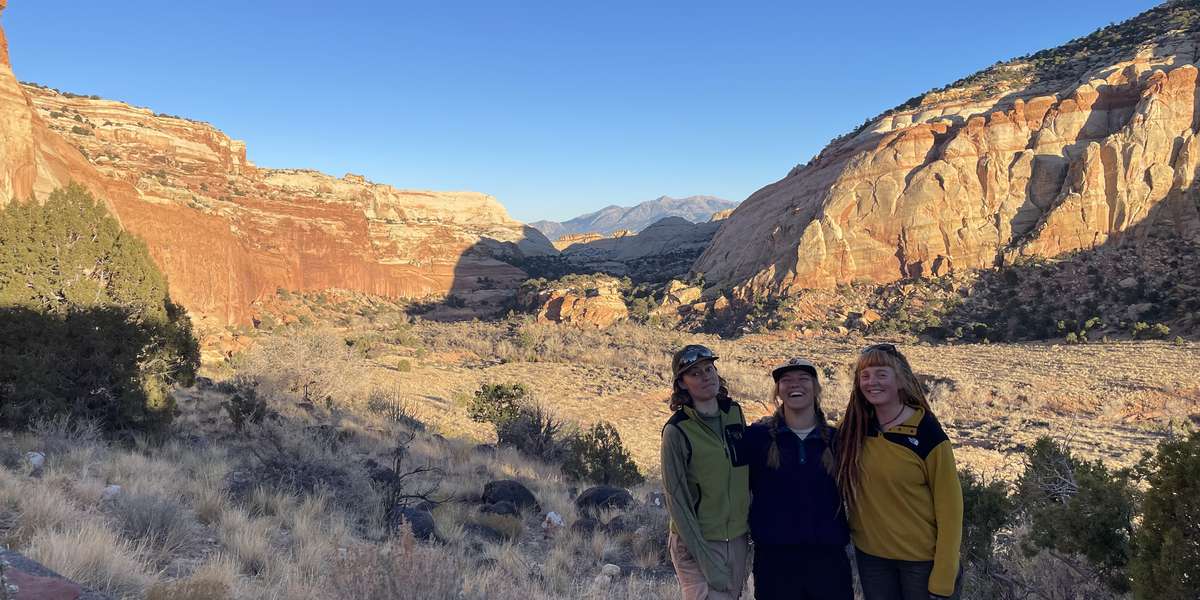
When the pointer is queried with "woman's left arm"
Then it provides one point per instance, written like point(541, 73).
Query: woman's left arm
point(948, 511)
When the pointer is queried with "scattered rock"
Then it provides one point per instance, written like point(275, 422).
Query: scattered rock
point(36, 460)
point(552, 523)
point(483, 532)
point(602, 497)
point(110, 492)
point(656, 499)
point(611, 570)
point(36, 582)
point(618, 524)
point(1128, 283)
point(585, 525)
point(385, 476)
point(511, 491)
point(421, 522)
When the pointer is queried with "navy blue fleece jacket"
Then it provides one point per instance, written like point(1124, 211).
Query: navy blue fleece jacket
point(798, 503)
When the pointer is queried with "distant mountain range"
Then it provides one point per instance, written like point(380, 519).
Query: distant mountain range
point(697, 209)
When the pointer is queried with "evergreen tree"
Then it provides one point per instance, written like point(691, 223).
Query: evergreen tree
point(89, 329)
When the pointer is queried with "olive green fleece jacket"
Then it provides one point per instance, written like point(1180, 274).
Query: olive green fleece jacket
point(707, 485)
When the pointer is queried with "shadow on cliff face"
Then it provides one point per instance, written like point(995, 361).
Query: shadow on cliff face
point(99, 364)
point(1143, 282)
point(486, 278)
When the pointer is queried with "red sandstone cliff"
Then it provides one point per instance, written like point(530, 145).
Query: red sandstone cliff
point(227, 233)
point(982, 172)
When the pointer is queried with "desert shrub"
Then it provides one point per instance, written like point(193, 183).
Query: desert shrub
point(598, 455)
point(159, 522)
point(1144, 331)
point(1077, 508)
point(304, 462)
point(89, 329)
point(306, 366)
point(497, 403)
point(244, 407)
point(393, 408)
point(533, 431)
point(1166, 560)
point(986, 509)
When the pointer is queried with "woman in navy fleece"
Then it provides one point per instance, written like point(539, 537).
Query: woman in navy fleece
point(796, 516)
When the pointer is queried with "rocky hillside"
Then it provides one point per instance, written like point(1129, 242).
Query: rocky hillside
point(658, 253)
point(611, 219)
point(1069, 149)
point(228, 233)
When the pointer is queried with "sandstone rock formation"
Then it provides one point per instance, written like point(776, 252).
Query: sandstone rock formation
point(973, 177)
point(611, 219)
point(594, 301)
point(228, 233)
point(660, 252)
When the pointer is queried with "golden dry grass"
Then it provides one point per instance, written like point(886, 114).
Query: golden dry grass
point(1112, 400)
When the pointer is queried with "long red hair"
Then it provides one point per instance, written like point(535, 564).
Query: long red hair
point(852, 431)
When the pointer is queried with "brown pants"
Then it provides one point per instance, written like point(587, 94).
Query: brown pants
point(734, 553)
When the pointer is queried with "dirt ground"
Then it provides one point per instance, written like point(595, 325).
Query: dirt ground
point(1110, 401)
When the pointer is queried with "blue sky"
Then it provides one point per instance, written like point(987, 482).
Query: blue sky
point(556, 108)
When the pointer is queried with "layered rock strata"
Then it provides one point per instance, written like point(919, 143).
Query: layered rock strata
point(228, 233)
point(963, 184)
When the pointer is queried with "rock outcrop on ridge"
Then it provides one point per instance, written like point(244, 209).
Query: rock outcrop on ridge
point(662, 251)
point(1016, 160)
point(228, 233)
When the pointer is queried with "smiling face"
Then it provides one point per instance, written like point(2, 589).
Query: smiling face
point(701, 381)
point(879, 385)
point(797, 390)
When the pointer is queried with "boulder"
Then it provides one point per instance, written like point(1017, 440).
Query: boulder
point(510, 491)
point(585, 525)
point(36, 582)
point(503, 507)
point(602, 497)
point(421, 521)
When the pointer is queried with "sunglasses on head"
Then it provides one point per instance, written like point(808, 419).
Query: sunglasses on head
point(890, 348)
point(694, 355)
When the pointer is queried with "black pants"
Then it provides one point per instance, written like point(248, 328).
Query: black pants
point(890, 579)
point(786, 572)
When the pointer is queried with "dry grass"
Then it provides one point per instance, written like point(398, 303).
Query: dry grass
point(95, 556)
point(403, 571)
point(177, 531)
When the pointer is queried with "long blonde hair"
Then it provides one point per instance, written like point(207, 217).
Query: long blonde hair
point(776, 419)
point(852, 431)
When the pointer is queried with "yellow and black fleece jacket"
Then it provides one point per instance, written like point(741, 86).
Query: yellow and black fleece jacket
point(707, 484)
point(910, 505)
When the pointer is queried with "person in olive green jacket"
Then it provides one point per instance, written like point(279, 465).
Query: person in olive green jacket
point(707, 484)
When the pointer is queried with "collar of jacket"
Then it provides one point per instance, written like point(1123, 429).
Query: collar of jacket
point(724, 403)
point(902, 428)
point(816, 431)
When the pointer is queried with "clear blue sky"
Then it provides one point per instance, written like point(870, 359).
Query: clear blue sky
point(556, 108)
